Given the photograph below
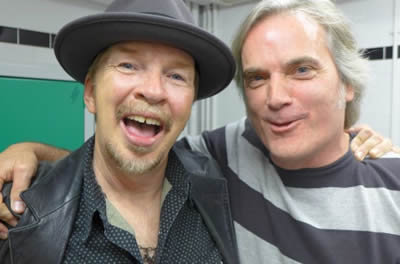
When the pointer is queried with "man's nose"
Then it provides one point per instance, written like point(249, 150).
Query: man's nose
point(278, 92)
point(151, 88)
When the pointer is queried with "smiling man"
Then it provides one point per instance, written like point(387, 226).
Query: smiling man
point(296, 99)
point(298, 195)
point(128, 196)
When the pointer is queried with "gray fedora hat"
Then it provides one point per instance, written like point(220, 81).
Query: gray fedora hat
point(165, 21)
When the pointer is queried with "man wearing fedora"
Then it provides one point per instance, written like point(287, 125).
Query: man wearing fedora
point(127, 195)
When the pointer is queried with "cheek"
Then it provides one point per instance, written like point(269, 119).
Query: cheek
point(254, 100)
point(118, 92)
point(181, 103)
point(314, 93)
point(115, 89)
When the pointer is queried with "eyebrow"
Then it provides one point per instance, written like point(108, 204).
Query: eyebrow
point(251, 71)
point(301, 60)
point(296, 61)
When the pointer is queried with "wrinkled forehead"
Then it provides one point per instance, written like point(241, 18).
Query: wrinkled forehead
point(289, 25)
point(285, 35)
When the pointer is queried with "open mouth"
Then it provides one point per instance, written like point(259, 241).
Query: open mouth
point(141, 126)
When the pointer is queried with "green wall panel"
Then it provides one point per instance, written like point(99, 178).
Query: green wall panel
point(45, 111)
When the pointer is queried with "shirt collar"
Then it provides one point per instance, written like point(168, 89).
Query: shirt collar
point(177, 176)
point(93, 198)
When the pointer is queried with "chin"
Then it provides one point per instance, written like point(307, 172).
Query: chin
point(135, 164)
point(285, 151)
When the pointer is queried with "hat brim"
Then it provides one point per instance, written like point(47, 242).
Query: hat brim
point(78, 43)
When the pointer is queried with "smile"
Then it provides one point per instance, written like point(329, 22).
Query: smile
point(285, 126)
point(141, 130)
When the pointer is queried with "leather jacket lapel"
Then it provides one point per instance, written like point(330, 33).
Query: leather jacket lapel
point(52, 203)
point(45, 240)
point(210, 196)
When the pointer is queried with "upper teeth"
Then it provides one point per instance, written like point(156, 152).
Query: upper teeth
point(143, 120)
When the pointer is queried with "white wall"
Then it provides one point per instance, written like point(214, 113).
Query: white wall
point(38, 15)
point(373, 27)
point(230, 106)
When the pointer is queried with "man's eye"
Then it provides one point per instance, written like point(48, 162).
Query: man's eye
point(125, 67)
point(254, 81)
point(304, 72)
point(256, 78)
point(177, 77)
point(303, 69)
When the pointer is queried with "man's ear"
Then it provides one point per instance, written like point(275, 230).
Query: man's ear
point(349, 93)
point(89, 95)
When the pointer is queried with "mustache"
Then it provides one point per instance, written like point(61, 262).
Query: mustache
point(144, 109)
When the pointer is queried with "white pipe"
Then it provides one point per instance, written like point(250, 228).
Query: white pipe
point(193, 123)
point(89, 125)
point(395, 127)
point(213, 102)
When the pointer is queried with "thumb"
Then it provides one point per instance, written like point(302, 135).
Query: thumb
point(22, 180)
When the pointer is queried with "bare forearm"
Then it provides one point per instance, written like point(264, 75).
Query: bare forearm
point(42, 151)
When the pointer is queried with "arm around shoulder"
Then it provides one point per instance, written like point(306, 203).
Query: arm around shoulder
point(42, 151)
point(19, 163)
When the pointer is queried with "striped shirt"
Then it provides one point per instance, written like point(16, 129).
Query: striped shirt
point(346, 212)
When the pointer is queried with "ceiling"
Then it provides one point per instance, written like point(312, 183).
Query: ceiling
point(223, 2)
point(202, 2)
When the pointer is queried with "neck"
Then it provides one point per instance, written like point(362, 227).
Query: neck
point(137, 197)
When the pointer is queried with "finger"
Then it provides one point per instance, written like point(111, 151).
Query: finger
point(6, 216)
point(364, 149)
point(3, 231)
point(381, 148)
point(396, 149)
point(357, 128)
point(1, 185)
point(22, 180)
point(358, 141)
point(3, 177)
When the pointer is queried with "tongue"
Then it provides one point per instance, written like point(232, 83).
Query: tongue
point(141, 130)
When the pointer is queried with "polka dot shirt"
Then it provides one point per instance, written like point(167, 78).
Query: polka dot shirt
point(183, 236)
